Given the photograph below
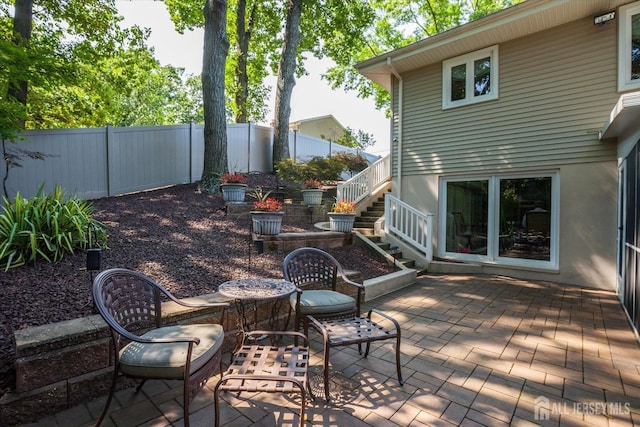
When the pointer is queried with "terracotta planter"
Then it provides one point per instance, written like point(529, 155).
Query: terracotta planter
point(233, 192)
point(268, 223)
point(341, 221)
point(312, 196)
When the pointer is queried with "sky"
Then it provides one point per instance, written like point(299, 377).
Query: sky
point(312, 97)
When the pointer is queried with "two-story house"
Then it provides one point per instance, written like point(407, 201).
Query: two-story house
point(519, 132)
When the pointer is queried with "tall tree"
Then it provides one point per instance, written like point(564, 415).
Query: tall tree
point(23, 16)
point(254, 28)
point(286, 81)
point(243, 36)
point(40, 46)
point(399, 23)
point(216, 48)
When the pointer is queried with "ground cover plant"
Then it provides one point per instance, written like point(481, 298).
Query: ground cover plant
point(180, 237)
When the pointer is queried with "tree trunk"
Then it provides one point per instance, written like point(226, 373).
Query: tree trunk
point(286, 81)
point(243, 35)
point(216, 48)
point(22, 24)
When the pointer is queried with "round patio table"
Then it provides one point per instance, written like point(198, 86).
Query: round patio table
point(253, 290)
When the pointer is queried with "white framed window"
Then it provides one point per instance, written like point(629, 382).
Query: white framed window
point(470, 78)
point(509, 219)
point(629, 47)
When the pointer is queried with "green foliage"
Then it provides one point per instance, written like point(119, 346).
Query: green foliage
point(83, 70)
point(47, 226)
point(289, 170)
point(353, 162)
point(399, 23)
point(359, 139)
point(209, 184)
point(318, 168)
point(323, 169)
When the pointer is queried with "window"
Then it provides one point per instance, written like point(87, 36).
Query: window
point(503, 219)
point(470, 78)
point(629, 47)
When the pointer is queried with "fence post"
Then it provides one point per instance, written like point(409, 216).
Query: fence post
point(192, 129)
point(295, 144)
point(109, 139)
point(248, 147)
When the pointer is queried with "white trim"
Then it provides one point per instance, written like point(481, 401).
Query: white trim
point(624, 47)
point(468, 60)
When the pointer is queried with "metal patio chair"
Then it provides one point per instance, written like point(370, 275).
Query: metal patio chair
point(130, 302)
point(315, 273)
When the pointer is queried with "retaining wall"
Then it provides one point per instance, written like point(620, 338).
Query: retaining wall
point(63, 364)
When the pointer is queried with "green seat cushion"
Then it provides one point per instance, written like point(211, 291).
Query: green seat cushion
point(167, 360)
point(321, 302)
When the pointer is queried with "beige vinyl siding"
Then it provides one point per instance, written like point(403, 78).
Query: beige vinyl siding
point(556, 89)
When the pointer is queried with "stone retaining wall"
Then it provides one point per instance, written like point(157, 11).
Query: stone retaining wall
point(63, 364)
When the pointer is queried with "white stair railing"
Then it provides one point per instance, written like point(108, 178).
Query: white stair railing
point(363, 184)
point(409, 224)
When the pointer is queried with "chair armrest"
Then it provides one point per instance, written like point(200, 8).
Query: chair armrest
point(385, 316)
point(201, 304)
point(194, 340)
point(133, 337)
point(351, 282)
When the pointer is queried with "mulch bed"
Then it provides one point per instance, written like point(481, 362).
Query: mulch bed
point(180, 237)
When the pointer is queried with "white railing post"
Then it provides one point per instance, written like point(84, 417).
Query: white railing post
point(408, 224)
point(363, 184)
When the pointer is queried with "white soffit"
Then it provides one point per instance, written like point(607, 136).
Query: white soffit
point(623, 117)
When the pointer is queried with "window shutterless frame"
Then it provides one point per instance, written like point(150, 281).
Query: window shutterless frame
point(628, 73)
point(470, 78)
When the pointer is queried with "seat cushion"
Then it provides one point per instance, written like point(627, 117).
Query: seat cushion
point(321, 302)
point(167, 360)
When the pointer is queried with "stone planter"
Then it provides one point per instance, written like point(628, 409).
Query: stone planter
point(233, 192)
point(312, 196)
point(341, 221)
point(268, 223)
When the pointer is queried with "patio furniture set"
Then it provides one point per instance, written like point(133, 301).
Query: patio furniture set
point(274, 361)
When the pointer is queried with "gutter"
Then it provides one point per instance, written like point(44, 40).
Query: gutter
point(399, 137)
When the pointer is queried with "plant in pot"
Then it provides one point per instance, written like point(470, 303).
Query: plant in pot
point(342, 216)
point(233, 186)
point(312, 191)
point(267, 213)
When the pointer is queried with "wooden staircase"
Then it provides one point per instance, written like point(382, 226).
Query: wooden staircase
point(365, 225)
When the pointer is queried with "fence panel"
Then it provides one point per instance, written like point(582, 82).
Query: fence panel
point(148, 157)
point(99, 162)
point(77, 163)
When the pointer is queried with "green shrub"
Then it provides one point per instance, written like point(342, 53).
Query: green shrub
point(289, 170)
point(319, 168)
point(353, 162)
point(46, 226)
point(323, 169)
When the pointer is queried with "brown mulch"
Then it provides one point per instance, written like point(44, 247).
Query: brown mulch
point(180, 237)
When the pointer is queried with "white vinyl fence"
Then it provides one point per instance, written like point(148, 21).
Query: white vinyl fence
point(99, 162)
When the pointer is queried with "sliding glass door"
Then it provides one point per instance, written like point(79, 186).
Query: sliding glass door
point(509, 219)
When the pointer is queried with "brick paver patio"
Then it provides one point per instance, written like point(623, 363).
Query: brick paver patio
point(476, 351)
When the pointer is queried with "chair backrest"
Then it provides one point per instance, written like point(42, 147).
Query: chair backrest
point(127, 300)
point(311, 268)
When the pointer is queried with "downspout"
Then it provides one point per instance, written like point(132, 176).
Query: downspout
point(399, 136)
